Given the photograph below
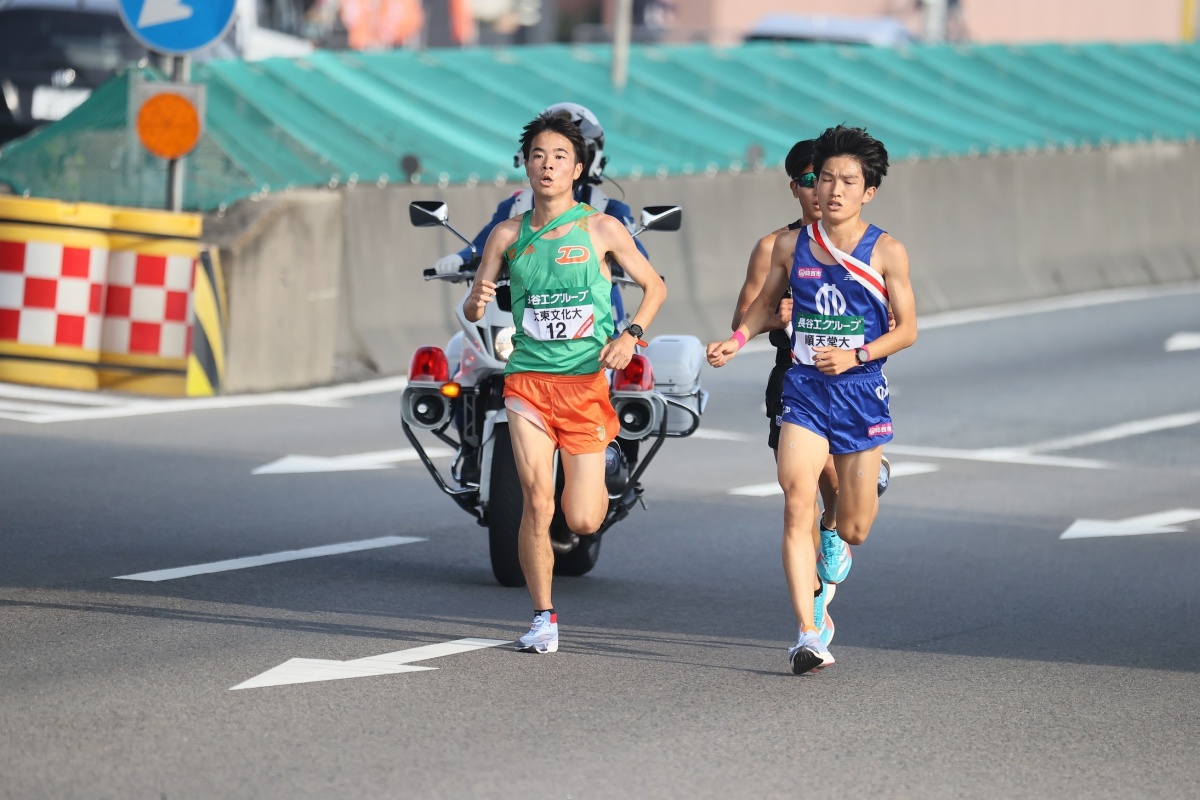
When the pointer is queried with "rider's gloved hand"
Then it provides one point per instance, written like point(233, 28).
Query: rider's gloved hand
point(448, 265)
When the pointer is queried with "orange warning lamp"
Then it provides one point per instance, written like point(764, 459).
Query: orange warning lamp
point(168, 125)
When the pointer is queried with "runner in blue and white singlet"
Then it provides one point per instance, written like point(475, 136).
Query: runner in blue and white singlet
point(833, 306)
point(835, 397)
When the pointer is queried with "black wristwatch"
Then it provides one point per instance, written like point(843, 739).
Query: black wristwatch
point(635, 331)
point(861, 354)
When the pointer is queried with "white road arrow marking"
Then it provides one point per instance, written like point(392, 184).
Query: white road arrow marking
point(312, 670)
point(269, 558)
point(771, 489)
point(1183, 341)
point(382, 459)
point(1162, 522)
point(160, 12)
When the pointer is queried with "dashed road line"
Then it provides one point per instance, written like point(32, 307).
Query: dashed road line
point(899, 470)
point(269, 558)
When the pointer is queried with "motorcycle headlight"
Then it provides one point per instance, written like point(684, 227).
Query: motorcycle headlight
point(502, 342)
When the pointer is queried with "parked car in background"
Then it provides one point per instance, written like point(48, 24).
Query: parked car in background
point(53, 53)
point(878, 31)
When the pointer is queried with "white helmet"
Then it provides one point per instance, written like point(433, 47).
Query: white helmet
point(593, 137)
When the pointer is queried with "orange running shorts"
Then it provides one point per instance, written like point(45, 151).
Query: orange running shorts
point(573, 410)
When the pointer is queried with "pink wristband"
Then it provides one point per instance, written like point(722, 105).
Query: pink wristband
point(740, 338)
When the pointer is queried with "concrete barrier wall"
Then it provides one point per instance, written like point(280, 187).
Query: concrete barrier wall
point(281, 260)
point(979, 232)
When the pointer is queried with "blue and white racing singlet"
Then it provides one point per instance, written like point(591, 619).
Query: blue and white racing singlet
point(833, 306)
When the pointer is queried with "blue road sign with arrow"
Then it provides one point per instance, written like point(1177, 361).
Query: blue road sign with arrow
point(178, 27)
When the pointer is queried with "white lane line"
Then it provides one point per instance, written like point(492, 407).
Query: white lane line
point(1183, 341)
point(997, 455)
point(1032, 454)
point(382, 459)
point(718, 436)
point(269, 558)
point(323, 397)
point(61, 396)
point(1122, 431)
point(905, 468)
point(899, 470)
point(947, 319)
point(757, 490)
point(22, 409)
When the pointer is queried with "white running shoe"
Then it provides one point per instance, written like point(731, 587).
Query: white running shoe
point(542, 637)
point(809, 654)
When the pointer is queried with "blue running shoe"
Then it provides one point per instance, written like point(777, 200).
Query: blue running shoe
point(809, 654)
point(834, 560)
point(821, 612)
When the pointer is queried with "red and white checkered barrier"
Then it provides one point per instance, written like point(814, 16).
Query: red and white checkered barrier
point(148, 305)
point(51, 294)
point(121, 303)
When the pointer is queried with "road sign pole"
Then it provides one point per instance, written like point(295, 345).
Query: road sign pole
point(181, 72)
point(622, 30)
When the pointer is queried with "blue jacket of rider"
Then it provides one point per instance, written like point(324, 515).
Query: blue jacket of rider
point(522, 201)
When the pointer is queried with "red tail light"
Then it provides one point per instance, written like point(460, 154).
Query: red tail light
point(637, 377)
point(429, 365)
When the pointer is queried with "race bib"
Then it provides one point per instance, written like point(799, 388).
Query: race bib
point(561, 315)
point(818, 330)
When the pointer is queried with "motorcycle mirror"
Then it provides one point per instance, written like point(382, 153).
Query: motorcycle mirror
point(662, 218)
point(427, 213)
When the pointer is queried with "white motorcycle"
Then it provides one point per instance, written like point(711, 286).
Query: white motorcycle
point(456, 394)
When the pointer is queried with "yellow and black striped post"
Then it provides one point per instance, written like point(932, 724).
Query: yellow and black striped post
point(206, 362)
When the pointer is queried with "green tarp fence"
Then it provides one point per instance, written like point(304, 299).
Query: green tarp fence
point(342, 117)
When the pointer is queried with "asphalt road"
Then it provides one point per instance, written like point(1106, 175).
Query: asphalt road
point(979, 654)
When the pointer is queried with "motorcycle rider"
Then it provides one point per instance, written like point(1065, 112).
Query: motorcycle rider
point(556, 390)
point(587, 190)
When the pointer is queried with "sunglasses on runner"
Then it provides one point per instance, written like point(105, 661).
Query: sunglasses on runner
point(808, 180)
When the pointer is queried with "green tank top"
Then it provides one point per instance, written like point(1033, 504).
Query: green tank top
point(561, 301)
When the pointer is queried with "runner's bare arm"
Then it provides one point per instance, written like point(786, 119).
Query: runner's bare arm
point(610, 235)
point(756, 274)
point(483, 289)
point(762, 310)
point(891, 261)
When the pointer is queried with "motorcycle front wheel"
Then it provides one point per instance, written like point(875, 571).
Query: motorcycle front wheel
point(504, 512)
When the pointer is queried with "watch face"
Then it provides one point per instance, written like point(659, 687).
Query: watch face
point(861, 355)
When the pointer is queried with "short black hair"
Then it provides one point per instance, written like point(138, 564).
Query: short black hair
point(855, 143)
point(554, 122)
point(799, 157)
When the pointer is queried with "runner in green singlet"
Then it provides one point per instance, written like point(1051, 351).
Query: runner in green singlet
point(556, 391)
